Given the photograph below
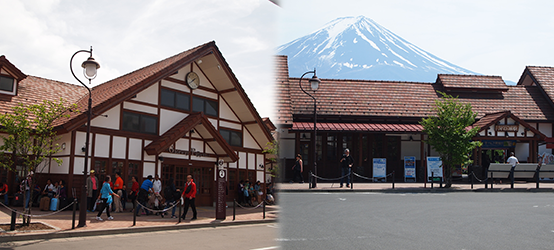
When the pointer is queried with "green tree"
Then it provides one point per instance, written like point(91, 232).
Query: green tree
point(272, 149)
point(29, 138)
point(449, 134)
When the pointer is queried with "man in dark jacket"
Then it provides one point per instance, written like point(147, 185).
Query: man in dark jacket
point(346, 163)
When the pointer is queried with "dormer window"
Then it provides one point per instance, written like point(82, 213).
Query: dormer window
point(7, 85)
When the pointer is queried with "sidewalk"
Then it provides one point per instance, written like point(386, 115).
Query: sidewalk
point(519, 186)
point(123, 222)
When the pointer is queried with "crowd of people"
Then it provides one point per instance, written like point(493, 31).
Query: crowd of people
point(251, 194)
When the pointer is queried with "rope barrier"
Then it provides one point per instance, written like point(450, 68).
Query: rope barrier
point(175, 203)
point(251, 208)
point(329, 179)
point(479, 180)
point(37, 215)
point(368, 178)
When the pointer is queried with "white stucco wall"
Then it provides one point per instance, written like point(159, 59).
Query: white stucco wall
point(149, 95)
point(169, 118)
point(251, 161)
point(149, 169)
point(522, 151)
point(80, 138)
point(182, 144)
point(111, 122)
point(231, 125)
point(135, 149)
point(119, 147)
point(242, 160)
point(140, 108)
point(60, 169)
point(176, 86)
point(248, 140)
point(102, 146)
point(226, 113)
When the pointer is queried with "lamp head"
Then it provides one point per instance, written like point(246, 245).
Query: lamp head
point(314, 82)
point(90, 67)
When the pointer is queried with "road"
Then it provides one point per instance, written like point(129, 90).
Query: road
point(257, 237)
point(417, 221)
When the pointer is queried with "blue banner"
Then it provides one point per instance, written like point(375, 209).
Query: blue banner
point(492, 144)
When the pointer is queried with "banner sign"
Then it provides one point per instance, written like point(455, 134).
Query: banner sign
point(409, 167)
point(221, 199)
point(434, 166)
point(490, 144)
point(379, 167)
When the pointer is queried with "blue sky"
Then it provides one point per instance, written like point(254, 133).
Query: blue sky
point(488, 37)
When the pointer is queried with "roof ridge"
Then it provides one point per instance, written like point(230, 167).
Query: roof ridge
point(469, 75)
point(361, 80)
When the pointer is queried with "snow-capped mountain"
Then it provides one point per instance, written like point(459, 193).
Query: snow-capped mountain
point(359, 48)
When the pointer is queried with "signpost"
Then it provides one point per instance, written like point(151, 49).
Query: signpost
point(409, 169)
point(434, 167)
point(221, 203)
point(380, 168)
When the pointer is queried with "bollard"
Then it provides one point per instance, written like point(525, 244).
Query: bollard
point(234, 208)
point(440, 182)
point(135, 213)
point(392, 179)
point(310, 177)
point(74, 210)
point(351, 179)
point(263, 205)
point(180, 207)
point(512, 174)
point(492, 179)
point(12, 225)
point(537, 174)
point(432, 179)
point(472, 176)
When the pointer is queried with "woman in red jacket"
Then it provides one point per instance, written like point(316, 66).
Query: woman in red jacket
point(190, 197)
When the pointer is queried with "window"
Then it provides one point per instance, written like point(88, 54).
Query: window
point(174, 99)
point(234, 138)
point(6, 83)
point(140, 123)
point(209, 107)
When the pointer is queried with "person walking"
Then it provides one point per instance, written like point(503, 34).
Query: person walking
point(92, 190)
point(298, 169)
point(142, 198)
point(4, 192)
point(134, 191)
point(157, 188)
point(106, 198)
point(118, 189)
point(346, 163)
point(513, 161)
point(171, 197)
point(190, 196)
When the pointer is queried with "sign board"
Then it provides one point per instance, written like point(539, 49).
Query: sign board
point(379, 168)
point(221, 203)
point(434, 167)
point(409, 168)
point(506, 128)
point(495, 144)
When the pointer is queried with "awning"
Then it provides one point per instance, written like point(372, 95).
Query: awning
point(203, 127)
point(357, 127)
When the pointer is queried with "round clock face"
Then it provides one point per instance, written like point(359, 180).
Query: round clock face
point(192, 80)
point(222, 173)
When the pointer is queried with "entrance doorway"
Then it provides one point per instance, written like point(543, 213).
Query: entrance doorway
point(202, 174)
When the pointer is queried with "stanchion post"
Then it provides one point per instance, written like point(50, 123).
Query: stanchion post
point(263, 205)
point(440, 182)
point(392, 179)
point(351, 179)
point(432, 179)
point(12, 225)
point(234, 208)
point(492, 180)
point(472, 176)
point(537, 174)
point(135, 213)
point(74, 212)
point(310, 179)
point(180, 207)
point(512, 174)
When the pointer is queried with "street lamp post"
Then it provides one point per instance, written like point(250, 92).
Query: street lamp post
point(90, 67)
point(314, 85)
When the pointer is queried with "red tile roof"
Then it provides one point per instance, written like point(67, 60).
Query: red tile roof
point(358, 127)
point(8, 66)
point(33, 90)
point(282, 97)
point(472, 82)
point(544, 77)
point(367, 100)
point(119, 89)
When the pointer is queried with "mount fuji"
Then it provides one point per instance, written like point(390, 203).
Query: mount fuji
point(359, 48)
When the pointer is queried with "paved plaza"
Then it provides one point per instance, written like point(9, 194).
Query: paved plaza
point(417, 220)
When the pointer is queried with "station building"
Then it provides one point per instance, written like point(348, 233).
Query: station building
point(380, 119)
point(151, 121)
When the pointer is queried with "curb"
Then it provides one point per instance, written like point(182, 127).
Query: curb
point(129, 230)
point(422, 190)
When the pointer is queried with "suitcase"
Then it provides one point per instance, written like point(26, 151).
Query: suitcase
point(44, 204)
point(18, 199)
point(54, 204)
